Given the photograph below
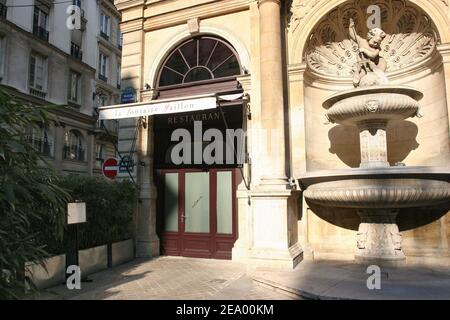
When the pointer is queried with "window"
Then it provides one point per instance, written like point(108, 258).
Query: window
point(3, 9)
point(103, 67)
point(2, 54)
point(74, 86)
point(104, 26)
point(38, 72)
point(201, 58)
point(119, 75)
point(42, 140)
point(99, 155)
point(103, 100)
point(120, 40)
point(40, 19)
point(79, 4)
point(74, 148)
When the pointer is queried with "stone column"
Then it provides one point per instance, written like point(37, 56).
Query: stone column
point(272, 104)
point(274, 230)
point(147, 241)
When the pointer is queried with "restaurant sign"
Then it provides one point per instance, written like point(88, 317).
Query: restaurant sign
point(158, 107)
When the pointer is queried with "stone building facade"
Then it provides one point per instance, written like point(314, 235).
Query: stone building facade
point(291, 55)
point(42, 62)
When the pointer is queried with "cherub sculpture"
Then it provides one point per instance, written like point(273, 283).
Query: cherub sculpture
point(370, 68)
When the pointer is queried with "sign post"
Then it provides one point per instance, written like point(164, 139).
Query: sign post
point(76, 214)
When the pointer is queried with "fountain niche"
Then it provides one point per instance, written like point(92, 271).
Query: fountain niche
point(375, 190)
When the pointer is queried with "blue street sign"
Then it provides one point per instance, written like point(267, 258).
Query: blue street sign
point(127, 96)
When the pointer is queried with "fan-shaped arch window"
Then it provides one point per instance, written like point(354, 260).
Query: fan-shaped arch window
point(200, 58)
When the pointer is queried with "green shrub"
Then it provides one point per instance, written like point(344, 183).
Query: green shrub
point(109, 208)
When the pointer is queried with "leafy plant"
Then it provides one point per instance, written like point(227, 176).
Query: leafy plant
point(34, 197)
point(26, 196)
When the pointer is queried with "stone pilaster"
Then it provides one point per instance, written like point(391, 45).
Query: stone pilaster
point(90, 153)
point(59, 146)
point(444, 50)
point(147, 241)
point(242, 244)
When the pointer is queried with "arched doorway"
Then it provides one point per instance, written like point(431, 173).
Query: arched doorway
point(197, 197)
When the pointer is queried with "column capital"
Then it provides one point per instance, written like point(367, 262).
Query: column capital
point(148, 95)
point(444, 50)
point(261, 2)
point(296, 72)
point(246, 83)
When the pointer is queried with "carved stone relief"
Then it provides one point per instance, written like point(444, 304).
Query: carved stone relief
point(411, 36)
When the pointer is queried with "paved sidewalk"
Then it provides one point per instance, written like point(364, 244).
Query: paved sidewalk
point(169, 278)
point(346, 280)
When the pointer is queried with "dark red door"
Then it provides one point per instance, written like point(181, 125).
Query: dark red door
point(198, 212)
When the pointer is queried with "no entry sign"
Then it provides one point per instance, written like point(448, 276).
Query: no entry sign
point(111, 168)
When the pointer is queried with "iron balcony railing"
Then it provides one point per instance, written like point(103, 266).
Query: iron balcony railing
point(104, 35)
point(42, 146)
point(76, 52)
point(38, 93)
point(102, 77)
point(40, 32)
point(74, 153)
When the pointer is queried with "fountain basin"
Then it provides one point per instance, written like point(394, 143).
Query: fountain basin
point(378, 195)
point(389, 187)
point(382, 103)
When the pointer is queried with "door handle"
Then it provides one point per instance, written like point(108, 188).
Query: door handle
point(183, 217)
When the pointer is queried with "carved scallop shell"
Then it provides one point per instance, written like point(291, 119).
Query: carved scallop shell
point(411, 37)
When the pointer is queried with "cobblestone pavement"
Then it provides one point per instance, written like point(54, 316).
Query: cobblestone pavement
point(170, 278)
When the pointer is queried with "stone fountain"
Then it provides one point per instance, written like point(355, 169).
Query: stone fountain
point(376, 191)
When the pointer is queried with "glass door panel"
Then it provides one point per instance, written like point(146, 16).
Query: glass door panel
point(196, 204)
point(224, 202)
point(171, 202)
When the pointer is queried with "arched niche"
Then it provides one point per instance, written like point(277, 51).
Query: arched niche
point(413, 60)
